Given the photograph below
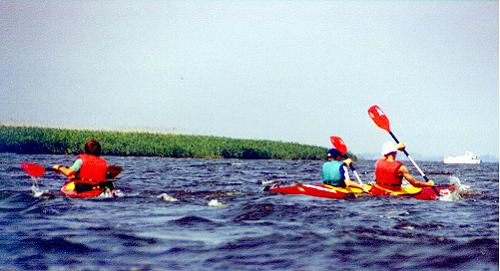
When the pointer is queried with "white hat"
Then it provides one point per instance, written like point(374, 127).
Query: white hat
point(388, 147)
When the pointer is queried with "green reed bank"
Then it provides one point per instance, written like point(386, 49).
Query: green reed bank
point(41, 140)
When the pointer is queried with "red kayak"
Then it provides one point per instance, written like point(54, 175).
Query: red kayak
point(328, 191)
point(424, 193)
point(317, 190)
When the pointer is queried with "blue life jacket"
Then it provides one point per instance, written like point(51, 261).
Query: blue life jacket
point(333, 173)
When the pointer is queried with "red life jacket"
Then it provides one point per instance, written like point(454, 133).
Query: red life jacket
point(93, 169)
point(387, 174)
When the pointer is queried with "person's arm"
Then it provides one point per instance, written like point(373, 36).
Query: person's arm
point(77, 165)
point(348, 182)
point(71, 171)
point(406, 174)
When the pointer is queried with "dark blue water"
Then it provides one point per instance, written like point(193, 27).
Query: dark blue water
point(246, 229)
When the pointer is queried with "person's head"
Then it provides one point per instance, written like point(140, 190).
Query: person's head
point(389, 149)
point(92, 147)
point(333, 154)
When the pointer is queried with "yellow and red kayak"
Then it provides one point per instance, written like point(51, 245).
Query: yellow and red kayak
point(68, 189)
point(103, 189)
point(333, 192)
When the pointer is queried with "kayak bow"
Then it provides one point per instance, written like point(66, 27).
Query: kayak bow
point(420, 193)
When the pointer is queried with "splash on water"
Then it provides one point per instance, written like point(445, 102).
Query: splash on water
point(38, 193)
point(106, 194)
point(216, 203)
point(166, 197)
point(460, 189)
point(265, 182)
point(118, 193)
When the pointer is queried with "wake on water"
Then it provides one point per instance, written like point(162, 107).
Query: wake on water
point(37, 192)
point(460, 190)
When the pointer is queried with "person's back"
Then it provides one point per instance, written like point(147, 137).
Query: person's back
point(93, 169)
point(387, 174)
point(333, 173)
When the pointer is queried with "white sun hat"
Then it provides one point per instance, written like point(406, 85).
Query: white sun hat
point(388, 147)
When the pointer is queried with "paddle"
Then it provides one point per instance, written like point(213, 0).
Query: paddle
point(36, 171)
point(113, 171)
point(339, 144)
point(380, 118)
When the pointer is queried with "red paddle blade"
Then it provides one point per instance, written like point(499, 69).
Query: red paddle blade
point(378, 116)
point(339, 144)
point(113, 171)
point(34, 170)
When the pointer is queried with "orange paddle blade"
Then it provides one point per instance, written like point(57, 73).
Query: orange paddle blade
point(339, 144)
point(378, 116)
point(34, 170)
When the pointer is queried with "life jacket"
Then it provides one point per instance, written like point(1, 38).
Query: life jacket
point(387, 174)
point(93, 170)
point(332, 173)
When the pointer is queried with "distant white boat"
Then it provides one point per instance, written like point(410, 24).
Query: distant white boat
point(468, 158)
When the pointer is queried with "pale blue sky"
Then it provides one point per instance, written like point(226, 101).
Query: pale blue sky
point(295, 71)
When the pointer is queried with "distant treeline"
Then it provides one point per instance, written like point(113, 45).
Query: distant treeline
point(31, 140)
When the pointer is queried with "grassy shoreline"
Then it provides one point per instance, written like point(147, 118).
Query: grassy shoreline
point(42, 140)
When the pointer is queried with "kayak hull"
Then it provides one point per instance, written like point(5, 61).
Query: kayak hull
point(426, 193)
point(68, 190)
point(326, 191)
point(316, 190)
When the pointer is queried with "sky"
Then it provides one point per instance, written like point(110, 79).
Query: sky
point(294, 71)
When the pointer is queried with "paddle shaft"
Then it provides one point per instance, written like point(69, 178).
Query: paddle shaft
point(410, 158)
point(356, 174)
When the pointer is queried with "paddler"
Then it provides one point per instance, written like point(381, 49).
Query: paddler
point(89, 171)
point(389, 172)
point(335, 171)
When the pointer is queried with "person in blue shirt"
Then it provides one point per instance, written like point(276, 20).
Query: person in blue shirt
point(335, 172)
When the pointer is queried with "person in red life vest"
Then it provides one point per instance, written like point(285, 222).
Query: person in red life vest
point(89, 171)
point(389, 172)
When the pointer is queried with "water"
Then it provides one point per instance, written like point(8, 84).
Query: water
point(192, 214)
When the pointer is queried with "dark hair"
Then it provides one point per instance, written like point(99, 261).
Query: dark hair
point(92, 147)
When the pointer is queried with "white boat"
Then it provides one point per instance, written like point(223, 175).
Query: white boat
point(468, 158)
